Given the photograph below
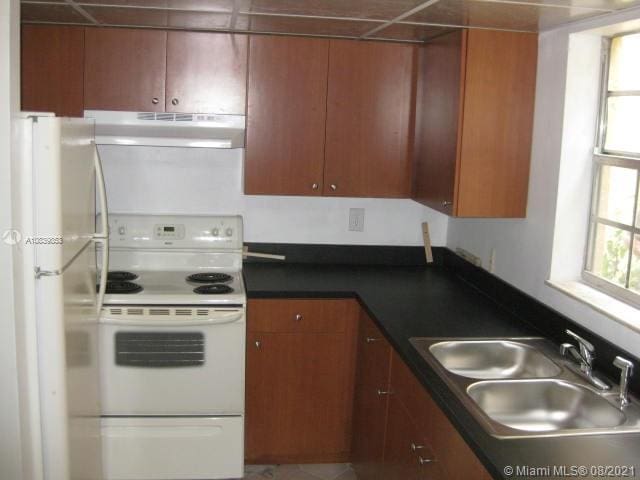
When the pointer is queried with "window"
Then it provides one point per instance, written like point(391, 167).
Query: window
point(613, 256)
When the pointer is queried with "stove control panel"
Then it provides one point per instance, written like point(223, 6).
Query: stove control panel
point(176, 231)
point(169, 231)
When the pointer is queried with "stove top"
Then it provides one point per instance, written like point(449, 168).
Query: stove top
point(175, 260)
point(176, 287)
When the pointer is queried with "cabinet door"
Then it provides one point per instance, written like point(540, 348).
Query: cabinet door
point(206, 72)
point(452, 459)
point(371, 399)
point(52, 69)
point(286, 114)
point(497, 124)
point(299, 393)
point(369, 128)
point(125, 69)
point(438, 110)
point(406, 454)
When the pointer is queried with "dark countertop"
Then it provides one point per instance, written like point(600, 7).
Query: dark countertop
point(433, 302)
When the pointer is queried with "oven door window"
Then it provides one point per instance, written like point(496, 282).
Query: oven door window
point(159, 349)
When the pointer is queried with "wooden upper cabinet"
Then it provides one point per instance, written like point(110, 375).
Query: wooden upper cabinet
point(438, 110)
point(286, 115)
point(475, 101)
point(369, 119)
point(497, 124)
point(206, 72)
point(52, 69)
point(125, 69)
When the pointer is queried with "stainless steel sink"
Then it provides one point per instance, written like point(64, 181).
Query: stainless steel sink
point(522, 387)
point(490, 359)
point(544, 405)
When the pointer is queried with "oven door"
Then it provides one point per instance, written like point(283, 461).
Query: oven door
point(157, 363)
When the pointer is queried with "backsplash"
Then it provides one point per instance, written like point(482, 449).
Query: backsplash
point(165, 180)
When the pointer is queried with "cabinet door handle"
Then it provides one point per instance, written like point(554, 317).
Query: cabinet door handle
point(175, 101)
point(298, 317)
point(258, 344)
point(315, 186)
point(425, 461)
point(371, 339)
point(384, 392)
point(415, 448)
point(155, 100)
point(333, 187)
point(447, 203)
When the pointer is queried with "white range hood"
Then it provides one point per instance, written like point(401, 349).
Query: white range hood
point(202, 130)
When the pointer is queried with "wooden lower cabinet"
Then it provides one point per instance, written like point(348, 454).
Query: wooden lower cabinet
point(371, 400)
point(408, 454)
point(300, 374)
point(324, 386)
point(445, 454)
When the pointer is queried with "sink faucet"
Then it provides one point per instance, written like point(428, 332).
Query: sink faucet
point(626, 368)
point(584, 354)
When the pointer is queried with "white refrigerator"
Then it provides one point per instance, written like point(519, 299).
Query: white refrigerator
point(61, 187)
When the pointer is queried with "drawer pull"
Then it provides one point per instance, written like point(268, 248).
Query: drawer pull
point(415, 448)
point(425, 461)
point(258, 344)
point(298, 317)
point(384, 392)
point(371, 339)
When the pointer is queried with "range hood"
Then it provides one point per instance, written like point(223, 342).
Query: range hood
point(202, 130)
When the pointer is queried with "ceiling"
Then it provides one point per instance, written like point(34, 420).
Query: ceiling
point(402, 20)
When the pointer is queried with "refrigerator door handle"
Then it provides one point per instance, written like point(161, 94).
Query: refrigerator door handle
point(102, 236)
point(54, 273)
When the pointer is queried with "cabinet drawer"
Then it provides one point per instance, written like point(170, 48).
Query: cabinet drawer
point(142, 448)
point(301, 315)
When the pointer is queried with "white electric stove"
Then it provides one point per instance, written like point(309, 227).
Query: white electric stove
point(172, 348)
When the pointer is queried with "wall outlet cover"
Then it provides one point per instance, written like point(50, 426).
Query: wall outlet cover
point(356, 219)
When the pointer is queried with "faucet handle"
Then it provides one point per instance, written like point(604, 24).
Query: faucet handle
point(623, 364)
point(626, 370)
point(581, 341)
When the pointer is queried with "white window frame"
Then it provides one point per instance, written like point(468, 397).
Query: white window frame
point(603, 157)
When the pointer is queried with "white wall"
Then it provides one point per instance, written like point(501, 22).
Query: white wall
point(524, 247)
point(10, 451)
point(172, 180)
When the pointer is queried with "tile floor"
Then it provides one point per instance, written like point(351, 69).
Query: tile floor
point(329, 471)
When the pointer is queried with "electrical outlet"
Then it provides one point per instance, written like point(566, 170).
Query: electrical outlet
point(356, 219)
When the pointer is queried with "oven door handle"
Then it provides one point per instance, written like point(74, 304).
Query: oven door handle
point(217, 319)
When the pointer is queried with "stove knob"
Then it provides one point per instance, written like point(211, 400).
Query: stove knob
point(229, 232)
point(215, 232)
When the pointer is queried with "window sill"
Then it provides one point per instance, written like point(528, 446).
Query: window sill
point(613, 308)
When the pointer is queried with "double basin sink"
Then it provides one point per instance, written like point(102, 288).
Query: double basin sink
point(522, 387)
